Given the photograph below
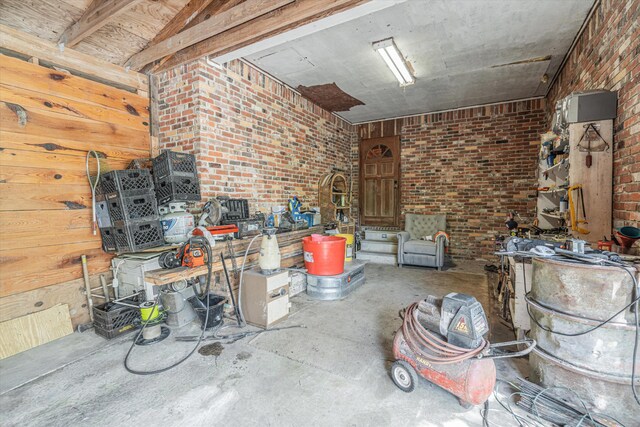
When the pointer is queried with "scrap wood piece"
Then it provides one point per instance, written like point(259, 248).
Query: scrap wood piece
point(22, 333)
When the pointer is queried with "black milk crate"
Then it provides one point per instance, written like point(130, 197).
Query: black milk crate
point(138, 235)
point(238, 209)
point(118, 320)
point(108, 239)
point(132, 208)
point(173, 164)
point(128, 182)
point(113, 333)
point(177, 189)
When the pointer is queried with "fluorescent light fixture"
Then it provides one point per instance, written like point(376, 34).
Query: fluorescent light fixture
point(395, 61)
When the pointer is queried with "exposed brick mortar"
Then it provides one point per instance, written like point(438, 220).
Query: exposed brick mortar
point(253, 136)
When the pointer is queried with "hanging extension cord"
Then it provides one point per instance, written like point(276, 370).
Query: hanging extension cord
point(206, 320)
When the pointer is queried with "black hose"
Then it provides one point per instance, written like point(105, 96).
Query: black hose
point(207, 248)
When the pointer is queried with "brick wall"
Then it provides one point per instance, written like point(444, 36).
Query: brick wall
point(607, 57)
point(253, 137)
point(474, 165)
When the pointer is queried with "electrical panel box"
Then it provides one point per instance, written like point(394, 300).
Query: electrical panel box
point(265, 297)
point(593, 106)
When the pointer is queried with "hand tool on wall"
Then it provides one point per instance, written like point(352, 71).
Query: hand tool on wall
point(92, 165)
point(575, 222)
point(591, 133)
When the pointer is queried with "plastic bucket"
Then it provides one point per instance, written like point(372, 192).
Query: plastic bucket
point(324, 255)
point(348, 255)
point(216, 308)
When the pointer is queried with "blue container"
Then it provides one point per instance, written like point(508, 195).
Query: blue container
point(306, 216)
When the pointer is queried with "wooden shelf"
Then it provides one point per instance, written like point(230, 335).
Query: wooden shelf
point(550, 215)
point(333, 190)
point(556, 166)
point(557, 190)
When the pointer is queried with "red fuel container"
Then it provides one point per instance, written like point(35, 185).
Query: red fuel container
point(324, 255)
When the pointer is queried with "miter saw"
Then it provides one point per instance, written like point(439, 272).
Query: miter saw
point(210, 218)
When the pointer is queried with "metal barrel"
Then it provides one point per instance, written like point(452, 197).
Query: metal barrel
point(591, 291)
point(570, 298)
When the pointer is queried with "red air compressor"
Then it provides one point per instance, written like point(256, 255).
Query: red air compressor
point(442, 340)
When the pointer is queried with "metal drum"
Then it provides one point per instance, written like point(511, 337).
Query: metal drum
point(571, 298)
point(336, 287)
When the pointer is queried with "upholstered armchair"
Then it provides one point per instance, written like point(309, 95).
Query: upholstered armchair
point(415, 251)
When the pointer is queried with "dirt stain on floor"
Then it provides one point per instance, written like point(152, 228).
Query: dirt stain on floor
point(214, 349)
point(243, 355)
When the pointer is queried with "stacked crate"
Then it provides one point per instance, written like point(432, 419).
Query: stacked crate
point(176, 177)
point(127, 211)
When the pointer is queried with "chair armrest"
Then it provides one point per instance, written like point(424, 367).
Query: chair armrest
point(403, 237)
point(440, 240)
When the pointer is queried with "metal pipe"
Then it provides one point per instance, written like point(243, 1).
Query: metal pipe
point(87, 285)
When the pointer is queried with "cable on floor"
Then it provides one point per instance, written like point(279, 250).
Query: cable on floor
point(206, 321)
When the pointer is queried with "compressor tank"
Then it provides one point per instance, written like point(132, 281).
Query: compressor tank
point(471, 380)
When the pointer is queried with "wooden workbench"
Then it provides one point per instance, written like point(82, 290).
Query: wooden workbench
point(290, 249)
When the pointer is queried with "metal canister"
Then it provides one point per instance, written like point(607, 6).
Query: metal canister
point(572, 298)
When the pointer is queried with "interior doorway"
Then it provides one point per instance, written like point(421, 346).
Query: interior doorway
point(380, 181)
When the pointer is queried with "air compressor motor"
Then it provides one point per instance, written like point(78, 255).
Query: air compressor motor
point(459, 318)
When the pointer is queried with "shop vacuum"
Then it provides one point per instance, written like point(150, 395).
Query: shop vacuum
point(443, 341)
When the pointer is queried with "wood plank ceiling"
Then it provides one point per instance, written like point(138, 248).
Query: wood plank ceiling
point(152, 35)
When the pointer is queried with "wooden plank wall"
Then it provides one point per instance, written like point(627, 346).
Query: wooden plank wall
point(49, 119)
point(391, 127)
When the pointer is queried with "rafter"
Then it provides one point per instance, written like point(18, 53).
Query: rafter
point(182, 19)
point(99, 13)
point(294, 15)
point(173, 27)
point(224, 21)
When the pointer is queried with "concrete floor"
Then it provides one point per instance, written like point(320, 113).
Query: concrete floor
point(333, 372)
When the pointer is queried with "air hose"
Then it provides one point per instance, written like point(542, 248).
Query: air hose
point(432, 348)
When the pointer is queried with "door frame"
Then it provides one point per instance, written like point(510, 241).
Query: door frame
point(361, 154)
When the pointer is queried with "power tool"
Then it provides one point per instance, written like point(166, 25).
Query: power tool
point(191, 254)
point(443, 340)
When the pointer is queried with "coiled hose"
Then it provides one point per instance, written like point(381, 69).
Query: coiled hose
point(429, 346)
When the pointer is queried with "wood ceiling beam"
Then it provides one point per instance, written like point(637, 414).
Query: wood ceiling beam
point(181, 20)
point(187, 20)
point(97, 15)
point(217, 24)
point(294, 15)
point(46, 51)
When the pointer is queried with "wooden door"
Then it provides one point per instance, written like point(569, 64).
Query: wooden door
point(380, 181)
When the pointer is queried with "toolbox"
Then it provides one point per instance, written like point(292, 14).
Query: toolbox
point(246, 227)
point(237, 209)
